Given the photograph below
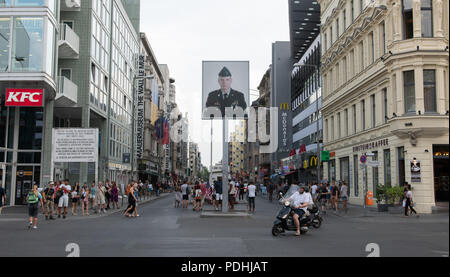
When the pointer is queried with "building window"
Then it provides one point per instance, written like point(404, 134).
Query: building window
point(353, 10)
point(361, 47)
point(331, 35)
point(410, 94)
point(372, 48)
point(346, 122)
point(354, 119)
point(374, 111)
point(345, 19)
point(427, 18)
point(363, 115)
point(361, 6)
point(344, 64)
point(332, 128)
point(386, 107)
point(355, 174)
point(429, 90)
point(339, 126)
point(387, 168)
point(408, 22)
point(383, 37)
point(325, 41)
point(5, 34)
point(337, 29)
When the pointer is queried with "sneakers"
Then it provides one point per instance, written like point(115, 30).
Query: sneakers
point(29, 225)
point(59, 216)
point(34, 227)
point(52, 218)
point(46, 217)
point(64, 217)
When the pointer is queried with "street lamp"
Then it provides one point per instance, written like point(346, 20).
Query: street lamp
point(319, 154)
point(136, 78)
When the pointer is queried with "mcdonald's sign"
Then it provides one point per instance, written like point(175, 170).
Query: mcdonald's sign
point(314, 161)
point(285, 107)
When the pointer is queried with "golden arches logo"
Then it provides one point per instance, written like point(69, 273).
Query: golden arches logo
point(314, 161)
point(284, 107)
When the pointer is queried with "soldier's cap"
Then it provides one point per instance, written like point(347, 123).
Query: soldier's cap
point(225, 72)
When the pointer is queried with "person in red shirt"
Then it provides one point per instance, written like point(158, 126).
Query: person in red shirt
point(203, 189)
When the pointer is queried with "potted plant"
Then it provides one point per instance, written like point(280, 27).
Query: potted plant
point(381, 197)
point(395, 196)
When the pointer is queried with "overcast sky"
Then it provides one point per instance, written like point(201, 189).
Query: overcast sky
point(184, 33)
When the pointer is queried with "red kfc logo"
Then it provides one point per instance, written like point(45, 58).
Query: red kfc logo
point(24, 97)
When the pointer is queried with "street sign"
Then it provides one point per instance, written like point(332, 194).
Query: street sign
point(363, 159)
point(75, 145)
point(374, 163)
point(325, 156)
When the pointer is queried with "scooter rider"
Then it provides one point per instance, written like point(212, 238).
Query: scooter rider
point(300, 201)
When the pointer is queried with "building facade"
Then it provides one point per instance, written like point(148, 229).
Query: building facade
point(386, 94)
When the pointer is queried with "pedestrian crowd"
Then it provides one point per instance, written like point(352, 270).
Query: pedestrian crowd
point(59, 198)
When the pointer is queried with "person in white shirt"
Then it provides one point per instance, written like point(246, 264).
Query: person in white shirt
point(64, 199)
point(300, 202)
point(251, 197)
point(184, 192)
point(314, 189)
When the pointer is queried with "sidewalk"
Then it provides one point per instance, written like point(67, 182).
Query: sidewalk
point(16, 213)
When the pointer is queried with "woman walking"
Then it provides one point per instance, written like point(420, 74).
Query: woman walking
point(33, 199)
point(198, 197)
point(115, 196)
point(344, 195)
point(136, 193)
point(231, 195)
point(409, 205)
point(84, 200)
point(129, 212)
point(75, 198)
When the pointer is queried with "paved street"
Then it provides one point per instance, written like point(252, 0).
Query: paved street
point(164, 231)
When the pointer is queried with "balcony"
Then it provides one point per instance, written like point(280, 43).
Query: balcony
point(67, 94)
point(70, 5)
point(69, 43)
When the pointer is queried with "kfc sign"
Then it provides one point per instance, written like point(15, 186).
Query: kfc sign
point(24, 97)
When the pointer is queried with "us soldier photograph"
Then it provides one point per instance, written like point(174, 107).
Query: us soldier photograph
point(226, 97)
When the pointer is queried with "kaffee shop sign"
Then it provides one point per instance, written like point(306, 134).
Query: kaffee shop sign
point(24, 98)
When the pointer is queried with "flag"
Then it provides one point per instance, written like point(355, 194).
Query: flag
point(166, 135)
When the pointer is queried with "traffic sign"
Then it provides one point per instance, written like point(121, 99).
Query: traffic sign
point(363, 159)
point(374, 163)
point(325, 156)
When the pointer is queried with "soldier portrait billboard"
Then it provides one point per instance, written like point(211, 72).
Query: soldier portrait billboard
point(226, 89)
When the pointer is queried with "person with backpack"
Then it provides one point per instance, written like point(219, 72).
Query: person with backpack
point(49, 196)
point(33, 199)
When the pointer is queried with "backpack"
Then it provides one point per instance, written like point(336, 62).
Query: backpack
point(32, 198)
point(59, 193)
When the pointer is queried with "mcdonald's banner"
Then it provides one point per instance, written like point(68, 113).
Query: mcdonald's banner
point(314, 161)
point(285, 107)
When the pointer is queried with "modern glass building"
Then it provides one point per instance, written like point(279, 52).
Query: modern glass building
point(28, 46)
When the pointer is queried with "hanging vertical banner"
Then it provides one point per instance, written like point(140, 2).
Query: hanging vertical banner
point(416, 175)
point(140, 108)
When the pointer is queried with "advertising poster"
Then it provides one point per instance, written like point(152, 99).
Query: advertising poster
point(225, 88)
point(416, 174)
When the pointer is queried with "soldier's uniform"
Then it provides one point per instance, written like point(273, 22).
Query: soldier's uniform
point(221, 101)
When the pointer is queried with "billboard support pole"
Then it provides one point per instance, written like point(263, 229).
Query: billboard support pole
point(225, 167)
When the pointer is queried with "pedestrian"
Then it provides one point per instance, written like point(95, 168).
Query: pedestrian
point(75, 198)
point(92, 190)
point(58, 195)
point(314, 189)
point(2, 197)
point(323, 197)
point(63, 203)
point(100, 198)
point(33, 199)
point(231, 195)
point(335, 196)
point(344, 196)
point(241, 191)
point(108, 188)
point(329, 195)
point(219, 194)
point(115, 196)
point(409, 203)
point(136, 193)
point(129, 212)
point(270, 189)
point(198, 197)
point(185, 194)
point(84, 196)
point(178, 196)
point(204, 193)
point(49, 196)
point(251, 197)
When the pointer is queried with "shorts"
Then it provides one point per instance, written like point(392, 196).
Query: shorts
point(49, 205)
point(323, 201)
point(198, 200)
point(219, 197)
point(63, 202)
point(299, 212)
point(33, 210)
point(185, 197)
point(344, 198)
point(74, 200)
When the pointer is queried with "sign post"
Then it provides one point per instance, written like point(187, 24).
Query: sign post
point(225, 172)
point(75, 146)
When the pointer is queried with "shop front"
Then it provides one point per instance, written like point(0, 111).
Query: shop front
point(21, 136)
point(441, 172)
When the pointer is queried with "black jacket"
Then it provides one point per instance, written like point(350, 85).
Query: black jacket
point(234, 100)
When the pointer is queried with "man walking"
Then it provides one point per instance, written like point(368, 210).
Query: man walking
point(219, 194)
point(184, 192)
point(251, 197)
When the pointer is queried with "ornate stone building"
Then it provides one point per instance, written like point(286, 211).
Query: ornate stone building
point(385, 76)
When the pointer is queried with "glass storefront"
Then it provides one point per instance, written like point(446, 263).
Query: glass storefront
point(20, 150)
point(441, 174)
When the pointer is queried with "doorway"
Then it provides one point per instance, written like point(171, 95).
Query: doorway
point(441, 175)
point(401, 166)
point(26, 177)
